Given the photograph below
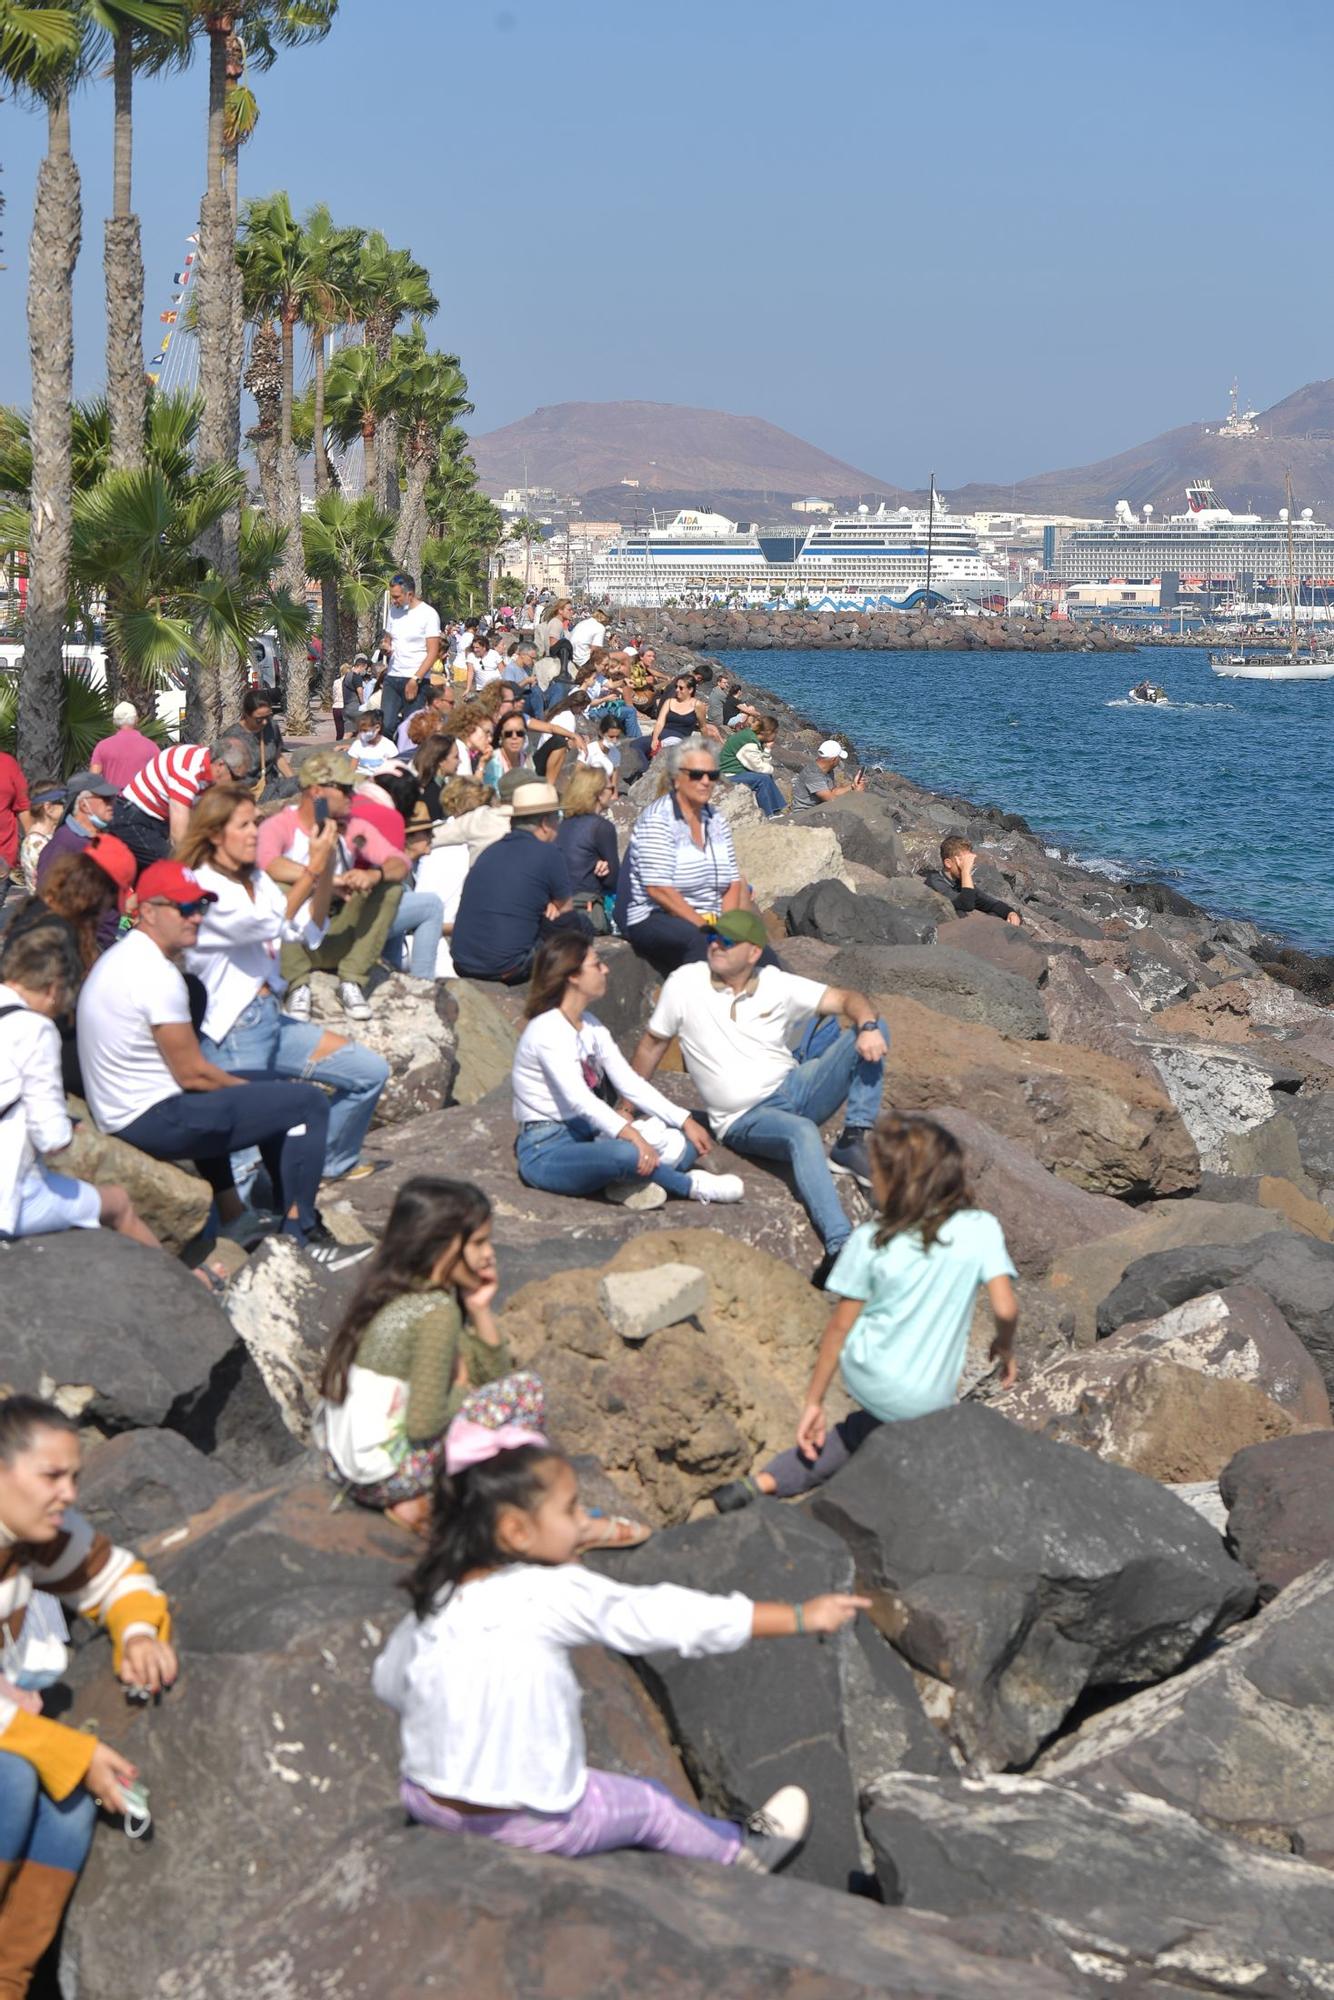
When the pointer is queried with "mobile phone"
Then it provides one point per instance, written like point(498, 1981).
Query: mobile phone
point(321, 811)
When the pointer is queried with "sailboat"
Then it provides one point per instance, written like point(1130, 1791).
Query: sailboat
point(1316, 666)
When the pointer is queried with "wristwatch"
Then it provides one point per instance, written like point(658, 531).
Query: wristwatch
point(862, 1026)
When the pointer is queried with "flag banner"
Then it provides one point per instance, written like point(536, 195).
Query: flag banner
point(193, 239)
point(180, 277)
point(166, 343)
point(152, 376)
point(167, 319)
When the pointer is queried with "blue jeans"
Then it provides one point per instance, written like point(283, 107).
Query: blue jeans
point(394, 704)
point(263, 1043)
point(33, 1827)
point(767, 795)
point(289, 1122)
point(786, 1126)
point(421, 916)
point(575, 1158)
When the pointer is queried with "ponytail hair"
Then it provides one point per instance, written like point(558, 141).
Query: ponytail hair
point(465, 1511)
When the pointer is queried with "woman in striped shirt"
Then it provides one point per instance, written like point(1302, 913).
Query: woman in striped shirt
point(52, 1777)
point(681, 865)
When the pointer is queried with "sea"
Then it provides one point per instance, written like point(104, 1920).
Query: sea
point(1225, 792)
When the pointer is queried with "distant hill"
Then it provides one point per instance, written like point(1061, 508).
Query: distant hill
point(1296, 435)
point(694, 457)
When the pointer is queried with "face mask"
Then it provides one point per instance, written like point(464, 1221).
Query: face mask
point(100, 817)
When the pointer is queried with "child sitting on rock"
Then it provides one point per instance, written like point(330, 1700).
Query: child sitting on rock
point(418, 1333)
point(480, 1675)
point(905, 1287)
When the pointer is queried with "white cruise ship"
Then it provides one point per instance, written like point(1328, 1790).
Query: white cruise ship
point(880, 561)
point(1208, 548)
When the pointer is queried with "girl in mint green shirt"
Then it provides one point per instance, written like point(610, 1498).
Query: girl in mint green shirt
point(904, 1286)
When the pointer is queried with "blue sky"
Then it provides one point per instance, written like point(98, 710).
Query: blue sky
point(977, 239)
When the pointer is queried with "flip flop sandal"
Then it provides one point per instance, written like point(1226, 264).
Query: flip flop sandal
point(616, 1531)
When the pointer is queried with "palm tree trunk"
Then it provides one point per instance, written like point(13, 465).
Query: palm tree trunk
point(410, 532)
point(294, 562)
point(370, 455)
point(53, 252)
point(322, 480)
point(330, 633)
point(264, 381)
point(123, 265)
point(214, 279)
point(348, 643)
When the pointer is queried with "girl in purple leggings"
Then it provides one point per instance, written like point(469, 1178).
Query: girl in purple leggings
point(480, 1675)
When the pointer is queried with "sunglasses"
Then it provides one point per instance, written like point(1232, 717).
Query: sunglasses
point(513, 732)
point(194, 909)
point(700, 777)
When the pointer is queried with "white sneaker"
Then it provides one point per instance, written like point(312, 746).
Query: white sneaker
point(354, 1002)
point(716, 1187)
point(776, 1832)
point(296, 1003)
point(635, 1194)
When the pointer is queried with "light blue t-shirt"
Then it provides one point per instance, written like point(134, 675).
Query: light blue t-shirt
point(904, 1355)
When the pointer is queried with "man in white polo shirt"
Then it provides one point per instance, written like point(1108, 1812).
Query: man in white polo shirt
point(735, 1020)
point(413, 628)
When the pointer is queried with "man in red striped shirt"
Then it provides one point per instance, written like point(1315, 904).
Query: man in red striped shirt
point(153, 811)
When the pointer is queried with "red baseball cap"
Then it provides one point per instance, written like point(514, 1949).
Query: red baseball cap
point(173, 883)
point(115, 859)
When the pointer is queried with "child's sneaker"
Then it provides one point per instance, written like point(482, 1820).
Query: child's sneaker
point(776, 1832)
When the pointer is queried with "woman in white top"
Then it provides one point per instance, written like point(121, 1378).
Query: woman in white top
point(244, 1029)
point(479, 1672)
point(571, 1141)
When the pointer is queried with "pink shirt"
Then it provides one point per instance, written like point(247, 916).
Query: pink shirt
point(283, 835)
point(121, 757)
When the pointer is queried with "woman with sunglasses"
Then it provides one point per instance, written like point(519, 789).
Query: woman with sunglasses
point(511, 752)
point(681, 869)
point(681, 715)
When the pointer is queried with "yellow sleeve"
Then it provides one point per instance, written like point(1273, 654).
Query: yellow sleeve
point(138, 1604)
point(59, 1755)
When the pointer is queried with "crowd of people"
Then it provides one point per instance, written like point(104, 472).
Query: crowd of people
point(162, 916)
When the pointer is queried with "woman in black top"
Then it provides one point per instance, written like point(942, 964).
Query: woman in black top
point(586, 840)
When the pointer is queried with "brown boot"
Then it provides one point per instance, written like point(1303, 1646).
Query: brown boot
point(35, 1899)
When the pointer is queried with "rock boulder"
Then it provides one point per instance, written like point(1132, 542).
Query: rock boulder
point(142, 1482)
point(957, 983)
point(1280, 1507)
point(831, 911)
point(1022, 1572)
point(1041, 1215)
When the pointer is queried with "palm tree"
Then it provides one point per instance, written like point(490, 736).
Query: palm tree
point(361, 393)
point(138, 42)
point(526, 530)
point(332, 254)
point(349, 546)
point(433, 394)
point(240, 35)
point(390, 285)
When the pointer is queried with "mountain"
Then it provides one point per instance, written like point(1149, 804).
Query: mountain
point(678, 455)
point(1296, 435)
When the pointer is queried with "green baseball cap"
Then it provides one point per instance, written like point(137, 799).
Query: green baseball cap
point(743, 927)
point(326, 767)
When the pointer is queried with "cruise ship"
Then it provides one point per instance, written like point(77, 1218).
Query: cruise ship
point(1207, 549)
point(864, 561)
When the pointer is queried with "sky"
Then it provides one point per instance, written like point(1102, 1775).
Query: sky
point(978, 240)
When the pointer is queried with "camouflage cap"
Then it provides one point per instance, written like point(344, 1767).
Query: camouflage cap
point(326, 767)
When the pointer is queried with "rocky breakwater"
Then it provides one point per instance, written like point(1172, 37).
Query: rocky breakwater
point(718, 626)
point(1065, 1753)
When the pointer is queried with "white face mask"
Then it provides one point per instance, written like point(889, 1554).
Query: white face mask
point(99, 816)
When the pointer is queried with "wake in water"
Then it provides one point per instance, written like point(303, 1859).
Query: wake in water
point(1180, 707)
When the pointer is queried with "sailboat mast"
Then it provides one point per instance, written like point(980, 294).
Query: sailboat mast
point(1292, 573)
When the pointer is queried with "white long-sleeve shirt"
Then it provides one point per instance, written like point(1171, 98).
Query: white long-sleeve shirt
point(240, 937)
point(487, 1700)
point(550, 1076)
point(31, 1043)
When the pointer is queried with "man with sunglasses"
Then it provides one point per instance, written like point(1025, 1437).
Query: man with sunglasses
point(735, 1018)
point(149, 1082)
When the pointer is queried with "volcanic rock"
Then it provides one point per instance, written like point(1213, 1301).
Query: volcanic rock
point(831, 911)
point(1023, 1572)
point(142, 1482)
point(960, 984)
point(1280, 1507)
point(1041, 1215)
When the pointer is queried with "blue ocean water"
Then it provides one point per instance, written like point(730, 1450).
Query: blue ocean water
point(1226, 792)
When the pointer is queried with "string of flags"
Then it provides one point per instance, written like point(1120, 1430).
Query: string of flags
point(154, 365)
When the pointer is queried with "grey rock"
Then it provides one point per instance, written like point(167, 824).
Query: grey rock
point(125, 1339)
point(1023, 1572)
point(1313, 1115)
point(830, 910)
point(1296, 1271)
point(1132, 1884)
point(638, 1303)
point(829, 1716)
point(287, 1310)
point(1280, 1507)
point(1218, 1091)
point(1040, 1214)
point(1271, 1147)
point(1244, 1741)
point(864, 833)
point(949, 982)
point(142, 1482)
point(411, 1027)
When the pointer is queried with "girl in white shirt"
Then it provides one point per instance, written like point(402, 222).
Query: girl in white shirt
point(479, 1670)
point(571, 1141)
